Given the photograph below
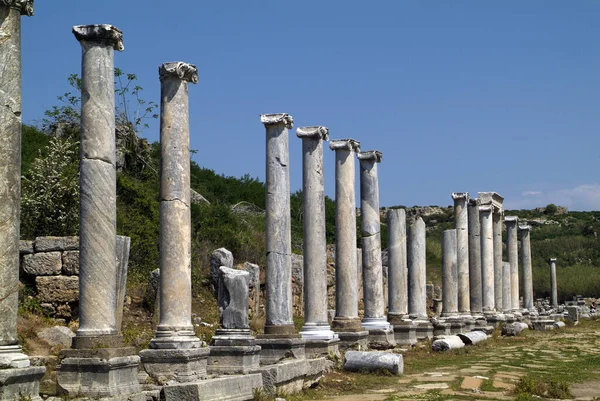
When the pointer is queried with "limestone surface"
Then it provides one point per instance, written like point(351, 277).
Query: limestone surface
point(373, 361)
point(57, 335)
point(42, 264)
point(219, 257)
point(417, 265)
point(449, 274)
point(397, 269)
point(233, 298)
point(57, 288)
point(475, 282)
point(461, 222)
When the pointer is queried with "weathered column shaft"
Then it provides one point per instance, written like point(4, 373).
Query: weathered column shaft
point(461, 222)
point(526, 266)
point(487, 257)
point(374, 303)
point(397, 265)
point(175, 215)
point(278, 287)
point(10, 165)
point(98, 208)
point(512, 249)
point(553, 287)
point(506, 287)
point(449, 273)
point(497, 230)
point(475, 286)
point(417, 270)
point(346, 275)
point(315, 241)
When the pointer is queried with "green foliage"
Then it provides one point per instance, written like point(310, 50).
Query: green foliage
point(32, 142)
point(126, 93)
point(530, 386)
point(551, 209)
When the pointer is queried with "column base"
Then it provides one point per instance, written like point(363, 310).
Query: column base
point(280, 331)
point(345, 324)
point(375, 323)
point(12, 357)
point(382, 339)
point(405, 332)
point(424, 329)
point(317, 332)
point(274, 349)
point(167, 339)
point(21, 383)
point(233, 351)
point(103, 373)
point(397, 318)
point(322, 348)
point(180, 365)
point(100, 341)
point(354, 339)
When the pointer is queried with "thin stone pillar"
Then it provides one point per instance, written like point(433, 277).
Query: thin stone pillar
point(512, 249)
point(175, 329)
point(553, 287)
point(14, 364)
point(461, 222)
point(110, 363)
point(497, 218)
point(449, 274)
point(475, 286)
point(417, 286)
point(506, 288)
point(316, 326)
point(526, 266)
point(487, 258)
point(346, 276)
point(374, 319)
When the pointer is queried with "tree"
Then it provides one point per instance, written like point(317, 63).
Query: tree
point(551, 209)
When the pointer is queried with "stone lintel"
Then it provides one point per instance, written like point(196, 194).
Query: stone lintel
point(344, 144)
point(370, 155)
point(524, 228)
point(178, 69)
point(24, 6)
point(460, 195)
point(493, 198)
point(316, 132)
point(277, 118)
point(511, 219)
point(552, 260)
point(102, 33)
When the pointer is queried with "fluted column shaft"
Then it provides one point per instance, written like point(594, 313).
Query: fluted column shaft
point(397, 265)
point(553, 287)
point(526, 266)
point(512, 248)
point(498, 270)
point(417, 270)
point(316, 325)
point(487, 257)
point(461, 222)
point(475, 286)
point(278, 288)
point(97, 190)
point(449, 274)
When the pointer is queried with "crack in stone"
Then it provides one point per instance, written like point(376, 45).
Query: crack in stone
point(278, 253)
point(282, 164)
point(370, 235)
point(15, 290)
point(100, 159)
point(175, 200)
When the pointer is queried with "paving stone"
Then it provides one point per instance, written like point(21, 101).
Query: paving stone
point(469, 383)
point(432, 386)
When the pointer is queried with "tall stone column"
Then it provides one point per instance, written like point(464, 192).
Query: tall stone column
point(475, 286)
point(417, 269)
point(461, 221)
point(346, 276)
point(487, 258)
point(553, 287)
point(512, 249)
point(20, 379)
point(449, 274)
point(526, 266)
point(316, 326)
point(497, 218)
point(506, 288)
point(397, 266)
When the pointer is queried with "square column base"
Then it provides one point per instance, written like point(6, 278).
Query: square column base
point(21, 383)
point(233, 359)
point(179, 365)
point(441, 328)
point(292, 376)
point(274, 350)
point(353, 340)
point(382, 338)
point(405, 332)
point(424, 329)
point(230, 388)
point(322, 348)
point(103, 373)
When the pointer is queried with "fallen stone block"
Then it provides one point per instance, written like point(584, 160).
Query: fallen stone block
point(447, 343)
point(486, 329)
point(473, 337)
point(559, 325)
point(372, 361)
point(57, 335)
point(513, 329)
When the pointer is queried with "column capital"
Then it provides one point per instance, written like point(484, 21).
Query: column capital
point(316, 132)
point(552, 260)
point(460, 195)
point(345, 144)
point(511, 219)
point(370, 155)
point(178, 69)
point(492, 198)
point(486, 209)
point(24, 6)
point(102, 33)
point(525, 228)
point(277, 118)
point(474, 202)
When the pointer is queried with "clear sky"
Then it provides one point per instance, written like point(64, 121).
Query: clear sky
point(458, 95)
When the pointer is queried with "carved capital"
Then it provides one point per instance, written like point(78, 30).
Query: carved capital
point(485, 209)
point(370, 155)
point(552, 260)
point(317, 132)
point(278, 118)
point(460, 195)
point(345, 144)
point(179, 69)
point(101, 33)
point(511, 219)
point(524, 228)
point(24, 6)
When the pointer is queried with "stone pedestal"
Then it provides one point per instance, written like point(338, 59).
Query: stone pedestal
point(475, 281)
point(424, 329)
point(513, 258)
point(405, 332)
point(553, 287)
point(274, 350)
point(21, 383)
point(461, 223)
point(526, 273)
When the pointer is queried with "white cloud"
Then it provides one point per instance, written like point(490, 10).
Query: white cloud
point(581, 197)
point(531, 193)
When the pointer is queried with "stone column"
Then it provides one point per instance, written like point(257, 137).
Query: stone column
point(316, 326)
point(397, 266)
point(506, 288)
point(553, 287)
point(475, 287)
point(512, 249)
point(346, 276)
point(279, 244)
point(18, 379)
point(497, 218)
point(175, 329)
point(461, 222)
point(417, 265)
point(449, 274)
point(526, 266)
point(97, 188)
point(374, 304)
point(487, 257)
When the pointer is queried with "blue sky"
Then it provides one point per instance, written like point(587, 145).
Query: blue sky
point(458, 95)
